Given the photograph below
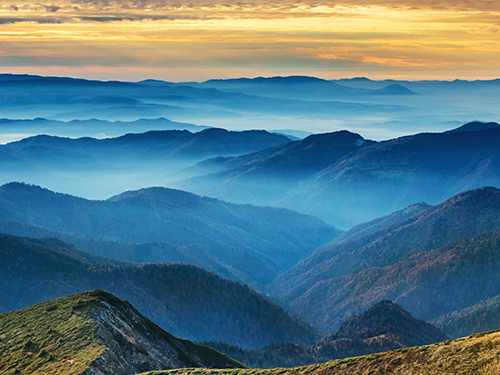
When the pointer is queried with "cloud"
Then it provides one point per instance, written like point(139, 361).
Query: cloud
point(51, 8)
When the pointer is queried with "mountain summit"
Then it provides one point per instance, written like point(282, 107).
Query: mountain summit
point(94, 333)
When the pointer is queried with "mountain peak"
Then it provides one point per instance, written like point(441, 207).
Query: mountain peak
point(475, 126)
point(385, 318)
point(94, 332)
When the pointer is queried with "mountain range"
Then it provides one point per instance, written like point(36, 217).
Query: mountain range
point(110, 165)
point(246, 243)
point(346, 180)
point(185, 300)
point(381, 328)
point(378, 109)
point(438, 264)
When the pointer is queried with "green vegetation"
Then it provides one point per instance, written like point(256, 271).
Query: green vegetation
point(53, 337)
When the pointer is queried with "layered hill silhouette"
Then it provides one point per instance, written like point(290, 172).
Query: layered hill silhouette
point(385, 326)
point(346, 180)
point(185, 300)
point(476, 354)
point(438, 263)
point(98, 168)
point(264, 177)
point(252, 243)
point(94, 332)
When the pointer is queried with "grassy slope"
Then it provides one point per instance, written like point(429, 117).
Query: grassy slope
point(51, 337)
point(62, 336)
point(477, 354)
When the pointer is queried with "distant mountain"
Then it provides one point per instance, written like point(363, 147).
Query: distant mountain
point(265, 176)
point(92, 127)
point(98, 168)
point(94, 332)
point(187, 301)
point(167, 145)
point(299, 87)
point(256, 242)
point(118, 253)
point(460, 357)
point(346, 180)
point(475, 126)
point(437, 262)
point(385, 326)
point(481, 317)
point(378, 224)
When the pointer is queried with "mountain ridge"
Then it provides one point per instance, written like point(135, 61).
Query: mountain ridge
point(94, 332)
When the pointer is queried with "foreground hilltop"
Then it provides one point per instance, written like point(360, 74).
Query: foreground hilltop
point(476, 354)
point(94, 333)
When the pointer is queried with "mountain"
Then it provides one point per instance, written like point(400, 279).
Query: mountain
point(91, 127)
point(346, 180)
point(299, 87)
point(187, 301)
point(481, 317)
point(475, 126)
point(256, 242)
point(128, 253)
point(94, 167)
point(459, 357)
point(378, 224)
point(388, 319)
point(390, 175)
point(385, 326)
point(94, 332)
point(434, 263)
point(265, 176)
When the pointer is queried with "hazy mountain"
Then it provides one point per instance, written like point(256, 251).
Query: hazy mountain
point(257, 242)
point(459, 357)
point(481, 317)
point(89, 127)
point(346, 180)
point(98, 168)
point(378, 224)
point(437, 262)
point(67, 99)
point(298, 87)
point(128, 253)
point(187, 301)
point(265, 176)
point(475, 126)
point(94, 332)
point(383, 327)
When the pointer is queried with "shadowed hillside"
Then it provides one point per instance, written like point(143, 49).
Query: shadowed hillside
point(187, 301)
point(256, 242)
point(383, 327)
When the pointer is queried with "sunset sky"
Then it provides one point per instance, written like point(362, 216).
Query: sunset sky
point(200, 39)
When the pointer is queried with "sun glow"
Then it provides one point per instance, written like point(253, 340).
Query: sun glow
point(325, 40)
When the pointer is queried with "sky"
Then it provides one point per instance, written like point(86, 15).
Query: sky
point(195, 40)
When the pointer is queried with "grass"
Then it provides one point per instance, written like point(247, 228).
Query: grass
point(55, 337)
point(477, 354)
